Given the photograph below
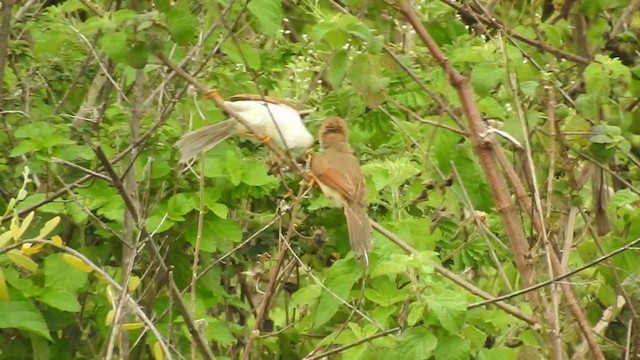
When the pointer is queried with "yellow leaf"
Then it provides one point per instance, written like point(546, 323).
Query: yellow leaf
point(48, 227)
point(158, 354)
point(77, 263)
point(132, 326)
point(4, 238)
point(57, 241)
point(15, 228)
point(109, 319)
point(23, 261)
point(109, 293)
point(29, 249)
point(4, 291)
point(25, 223)
point(134, 281)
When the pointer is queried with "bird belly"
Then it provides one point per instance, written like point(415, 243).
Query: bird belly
point(333, 195)
point(279, 122)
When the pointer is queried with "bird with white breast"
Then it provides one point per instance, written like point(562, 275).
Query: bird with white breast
point(273, 120)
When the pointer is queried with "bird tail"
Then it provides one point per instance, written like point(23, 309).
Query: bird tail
point(195, 142)
point(359, 228)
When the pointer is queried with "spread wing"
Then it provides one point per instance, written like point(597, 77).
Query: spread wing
point(344, 178)
point(253, 97)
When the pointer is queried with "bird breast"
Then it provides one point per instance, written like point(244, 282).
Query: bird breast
point(267, 118)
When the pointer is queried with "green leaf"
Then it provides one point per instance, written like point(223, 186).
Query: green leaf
point(216, 233)
point(23, 315)
point(338, 68)
point(60, 300)
point(218, 331)
point(58, 275)
point(416, 313)
point(182, 25)
point(116, 46)
point(243, 53)
point(390, 267)
point(452, 348)
point(415, 343)
point(268, 15)
point(485, 77)
point(178, 206)
point(491, 108)
point(498, 353)
point(449, 307)
point(255, 174)
point(306, 295)
point(339, 279)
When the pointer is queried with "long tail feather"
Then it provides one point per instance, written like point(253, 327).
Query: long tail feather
point(195, 142)
point(359, 230)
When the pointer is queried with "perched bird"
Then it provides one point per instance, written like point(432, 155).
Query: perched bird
point(273, 120)
point(337, 171)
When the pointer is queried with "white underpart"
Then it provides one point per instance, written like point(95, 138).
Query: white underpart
point(266, 118)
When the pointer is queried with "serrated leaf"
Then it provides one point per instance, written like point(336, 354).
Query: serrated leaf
point(449, 308)
point(23, 315)
point(452, 348)
point(219, 331)
point(243, 53)
point(48, 227)
point(415, 343)
point(22, 261)
point(389, 267)
point(77, 263)
point(268, 15)
point(182, 25)
point(178, 206)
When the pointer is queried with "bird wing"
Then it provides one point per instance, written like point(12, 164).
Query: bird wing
point(346, 180)
point(253, 97)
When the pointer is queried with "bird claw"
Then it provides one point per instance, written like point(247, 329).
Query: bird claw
point(264, 139)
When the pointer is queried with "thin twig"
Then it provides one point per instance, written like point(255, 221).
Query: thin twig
point(559, 278)
point(264, 305)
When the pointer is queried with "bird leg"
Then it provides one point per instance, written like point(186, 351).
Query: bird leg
point(213, 94)
point(264, 139)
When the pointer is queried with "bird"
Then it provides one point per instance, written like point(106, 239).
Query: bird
point(273, 119)
point(338, 174)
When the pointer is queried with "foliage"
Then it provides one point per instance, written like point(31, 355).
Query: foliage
point(67, 231)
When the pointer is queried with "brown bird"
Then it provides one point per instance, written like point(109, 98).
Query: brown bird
point(274, 119)
point(338, 173)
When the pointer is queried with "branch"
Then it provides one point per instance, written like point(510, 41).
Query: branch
point(133, 210)
point(5, 32)
point(535, 43)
